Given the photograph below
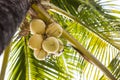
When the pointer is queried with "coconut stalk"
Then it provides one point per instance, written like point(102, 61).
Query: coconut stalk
point(41, 13)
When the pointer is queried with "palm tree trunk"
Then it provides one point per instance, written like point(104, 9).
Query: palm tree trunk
point(12, 13)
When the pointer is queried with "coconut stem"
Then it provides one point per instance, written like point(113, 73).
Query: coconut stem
point(41, 12)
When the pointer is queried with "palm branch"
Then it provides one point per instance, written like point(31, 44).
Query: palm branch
point(88, 22)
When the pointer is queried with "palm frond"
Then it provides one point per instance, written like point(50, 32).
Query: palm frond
point(114, 67)
point(92, 16)
point(16, 65)
point(93, 30)
point(102, 50)
point(23, 65)
point(105, 48)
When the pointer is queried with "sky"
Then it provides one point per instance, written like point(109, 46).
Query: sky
point(1, 59)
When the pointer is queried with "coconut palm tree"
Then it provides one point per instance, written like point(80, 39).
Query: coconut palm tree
point(90, 36)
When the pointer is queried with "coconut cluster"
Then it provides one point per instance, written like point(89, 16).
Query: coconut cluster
point(44, 40)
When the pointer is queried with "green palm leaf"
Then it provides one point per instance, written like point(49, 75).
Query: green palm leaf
point(92, 16)
point(106, 51)
point(91, 42)
point(114, 67)
point(92, 26)
point(23, 65)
